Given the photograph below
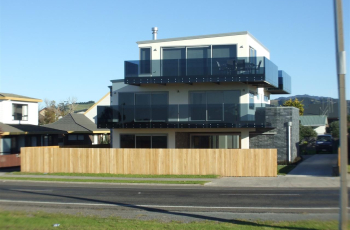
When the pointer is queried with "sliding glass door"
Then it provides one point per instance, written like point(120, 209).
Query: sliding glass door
point(215, 141)
point(214, 105)
point(174, 61)
point(198, 61)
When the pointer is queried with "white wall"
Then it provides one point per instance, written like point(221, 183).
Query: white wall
point(6, 112)
point(243, 40)
point(320, 129)
point(92, 113)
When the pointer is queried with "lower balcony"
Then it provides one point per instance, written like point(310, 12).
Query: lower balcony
point(183, 116)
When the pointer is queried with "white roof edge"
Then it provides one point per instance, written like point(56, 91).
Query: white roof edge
point(201, 36)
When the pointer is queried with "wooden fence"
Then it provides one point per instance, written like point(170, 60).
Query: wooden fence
point(223, 162)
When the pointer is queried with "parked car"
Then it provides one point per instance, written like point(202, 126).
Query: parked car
point(324, 143)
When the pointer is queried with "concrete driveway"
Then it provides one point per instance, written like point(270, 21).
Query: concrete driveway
point(319, 165)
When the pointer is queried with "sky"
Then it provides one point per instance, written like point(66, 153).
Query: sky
point(72, 48)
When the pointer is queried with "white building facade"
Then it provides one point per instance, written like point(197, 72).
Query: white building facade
point(206, 91)
point(16, 109)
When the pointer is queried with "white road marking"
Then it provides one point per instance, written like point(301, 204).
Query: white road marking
point(31, 190)
point(259, 194)
point(166, 206)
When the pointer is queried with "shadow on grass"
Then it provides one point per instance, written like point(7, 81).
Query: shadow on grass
point(162, 211)
point(285, 169)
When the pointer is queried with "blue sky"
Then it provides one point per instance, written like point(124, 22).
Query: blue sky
point(70, 48)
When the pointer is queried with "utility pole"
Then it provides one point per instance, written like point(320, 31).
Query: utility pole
point(341, 71)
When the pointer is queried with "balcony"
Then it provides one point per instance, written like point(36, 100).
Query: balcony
point(259, 71)
point(284, 84)
point(183, 116)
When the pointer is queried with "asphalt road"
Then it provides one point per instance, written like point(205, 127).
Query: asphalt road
point(162, 198)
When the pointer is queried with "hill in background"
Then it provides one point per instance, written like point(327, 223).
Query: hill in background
point(315, 105)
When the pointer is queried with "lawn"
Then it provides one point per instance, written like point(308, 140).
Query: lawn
point(284, 169)
point(39, 220)
point(104, 181)
point(116, 175)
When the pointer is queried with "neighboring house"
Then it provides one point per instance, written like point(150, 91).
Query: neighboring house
point(79, 130)
point(318, 122)
point(19, 127)
point(91, 113)
point(17, 109)
point(210, 91)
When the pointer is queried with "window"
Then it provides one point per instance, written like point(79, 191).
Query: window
point(74, 137)
point(214, 105)
point(252, 55)
point(215, 141)
point(145, 65)
point(144, 106)
point(20, 112)
point(266, 98)
point(143, 141)
point(251, 100)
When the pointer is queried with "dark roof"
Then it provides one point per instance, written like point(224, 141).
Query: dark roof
point(12, 96)
point(9, 129)
point(76, 123)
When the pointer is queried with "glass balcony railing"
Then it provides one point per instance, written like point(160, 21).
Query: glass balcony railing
point(238, 69)
point(284, 84)
point(183, 116)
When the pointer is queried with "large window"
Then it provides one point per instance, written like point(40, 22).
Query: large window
point(144, 106)
point(20, 112)
point(215, 141)
point(193, 61)
point(214, 105)
point(143, 141)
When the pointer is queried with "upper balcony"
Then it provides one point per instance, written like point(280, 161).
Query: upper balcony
point(284, 84)
point(183, 116)
point(258, 71)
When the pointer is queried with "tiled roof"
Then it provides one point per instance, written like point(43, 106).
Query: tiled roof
point(313, 120)
point(75, 123)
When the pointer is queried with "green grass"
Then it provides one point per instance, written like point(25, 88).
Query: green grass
point(83, 106)
point(40, 220)
point(284, 169)
point(104, 181)
point(348, 168)
point(117, 175)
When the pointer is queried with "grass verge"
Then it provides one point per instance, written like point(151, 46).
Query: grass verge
point(105, 181)
point(284, 169)
point(116, 175)
point(40, 220)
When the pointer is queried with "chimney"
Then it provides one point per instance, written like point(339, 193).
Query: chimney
point(154, 32)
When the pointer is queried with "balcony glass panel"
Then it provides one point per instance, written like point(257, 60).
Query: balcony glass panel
point(177, 116)
point(176, 67)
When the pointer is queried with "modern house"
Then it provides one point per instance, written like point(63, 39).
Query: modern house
point(319, 123)
point(210, 91)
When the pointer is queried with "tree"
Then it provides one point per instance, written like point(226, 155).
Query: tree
point(306, 132)
point(334, 129)
point(296, 103)
point(53, 112)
